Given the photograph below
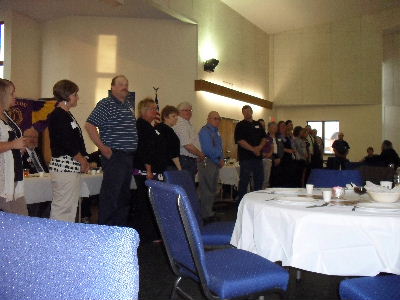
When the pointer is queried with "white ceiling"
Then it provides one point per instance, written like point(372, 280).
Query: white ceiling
point(43, 10)
point(274, 16)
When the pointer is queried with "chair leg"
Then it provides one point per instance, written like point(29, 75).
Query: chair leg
point(177, 281)
point(298, 275)
point(176, 289)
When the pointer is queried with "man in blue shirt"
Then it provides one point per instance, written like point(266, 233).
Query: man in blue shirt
point(211, 146)
point(112, 127)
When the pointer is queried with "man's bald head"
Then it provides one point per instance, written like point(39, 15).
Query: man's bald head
point(213, 118)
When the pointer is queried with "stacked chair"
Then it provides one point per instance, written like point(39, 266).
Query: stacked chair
point(224, 273)
point(371, 288)
point(213, 234)
point(325, 178)
point(48, 259)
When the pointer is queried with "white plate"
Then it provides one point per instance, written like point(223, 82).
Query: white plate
point(297, 200)
point(380, 205)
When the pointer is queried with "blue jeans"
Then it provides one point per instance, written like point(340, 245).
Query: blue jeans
point(247, 168)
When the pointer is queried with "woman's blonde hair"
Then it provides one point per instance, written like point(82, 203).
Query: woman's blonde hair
point(142, 105)
point(5, 86)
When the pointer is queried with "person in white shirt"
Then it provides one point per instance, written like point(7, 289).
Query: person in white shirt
point(190, 151)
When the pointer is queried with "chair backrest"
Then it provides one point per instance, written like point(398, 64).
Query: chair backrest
point(184, 180)
point(48, 259)
point(376, 174)
point(195, 239)
point(325, 178)
point(164, 199)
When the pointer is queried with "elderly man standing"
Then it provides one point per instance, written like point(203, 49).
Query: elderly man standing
point(190, 145)
point(251, 138)
point(117, 140)
point(211, 145)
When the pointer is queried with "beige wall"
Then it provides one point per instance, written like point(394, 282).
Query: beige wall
point(391, 88)
point(22, 53)
point(361, 124)
point(334, 72)
point(241, 48)
point(92, 50)
point(336, 63)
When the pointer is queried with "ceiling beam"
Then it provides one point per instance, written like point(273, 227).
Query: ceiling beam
point(206, 86)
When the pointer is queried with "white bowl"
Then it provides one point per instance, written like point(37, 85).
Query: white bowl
point(388, 197)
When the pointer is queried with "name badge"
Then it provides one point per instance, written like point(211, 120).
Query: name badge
point(257, 126)
point(74, 125)
point(157, 131)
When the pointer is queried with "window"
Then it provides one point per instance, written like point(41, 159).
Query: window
point(1, 49)
point(328, 131)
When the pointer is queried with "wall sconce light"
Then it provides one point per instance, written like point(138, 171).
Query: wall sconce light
point(210, 65)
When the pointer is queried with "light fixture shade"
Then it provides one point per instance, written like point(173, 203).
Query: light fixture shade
point(211, 64)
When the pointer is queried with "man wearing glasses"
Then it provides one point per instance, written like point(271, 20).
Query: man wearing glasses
point(211, 145)
point(190, 145)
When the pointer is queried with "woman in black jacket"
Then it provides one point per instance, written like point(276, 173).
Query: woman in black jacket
point(68, 153)
point(147, 165)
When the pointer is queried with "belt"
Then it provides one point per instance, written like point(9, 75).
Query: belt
point(188, 157)
point(123, 151)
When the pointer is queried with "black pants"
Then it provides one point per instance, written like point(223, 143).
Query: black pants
point(39, 210)
point(115, 194)
point(247, 168)
point(189, 164)
point(143, 219)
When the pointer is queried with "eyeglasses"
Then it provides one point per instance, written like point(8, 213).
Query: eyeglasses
point(216, 119)
point(187, 110)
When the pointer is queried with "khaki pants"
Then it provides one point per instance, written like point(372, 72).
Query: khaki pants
point(208, 184)
point(267, 164)
point(66, 192)
point(17, 206)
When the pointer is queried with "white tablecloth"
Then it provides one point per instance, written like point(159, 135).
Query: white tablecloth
point(38, 189)
point(229, 175)
point(332, 240)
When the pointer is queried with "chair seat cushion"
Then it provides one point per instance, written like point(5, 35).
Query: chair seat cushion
point(217, 233)
point(235, 273)
point(371, 288)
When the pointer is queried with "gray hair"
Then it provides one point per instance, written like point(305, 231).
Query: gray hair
point(183, 105)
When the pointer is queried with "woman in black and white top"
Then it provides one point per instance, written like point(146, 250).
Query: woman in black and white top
point(11, 143)
point(68, 153)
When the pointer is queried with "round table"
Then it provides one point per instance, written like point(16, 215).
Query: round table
point(332, 240)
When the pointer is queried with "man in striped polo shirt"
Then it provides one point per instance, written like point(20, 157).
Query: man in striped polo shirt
point(112, 127)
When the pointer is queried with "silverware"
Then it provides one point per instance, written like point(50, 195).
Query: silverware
point(270, 199)
point(312, 206)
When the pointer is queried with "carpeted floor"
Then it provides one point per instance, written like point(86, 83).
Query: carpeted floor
point(157, 278)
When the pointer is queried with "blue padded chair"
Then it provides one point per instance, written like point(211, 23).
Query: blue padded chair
point(325, 178)
point(224, 273)
point(214, 234)
point(48, 259)
point(371, 288)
